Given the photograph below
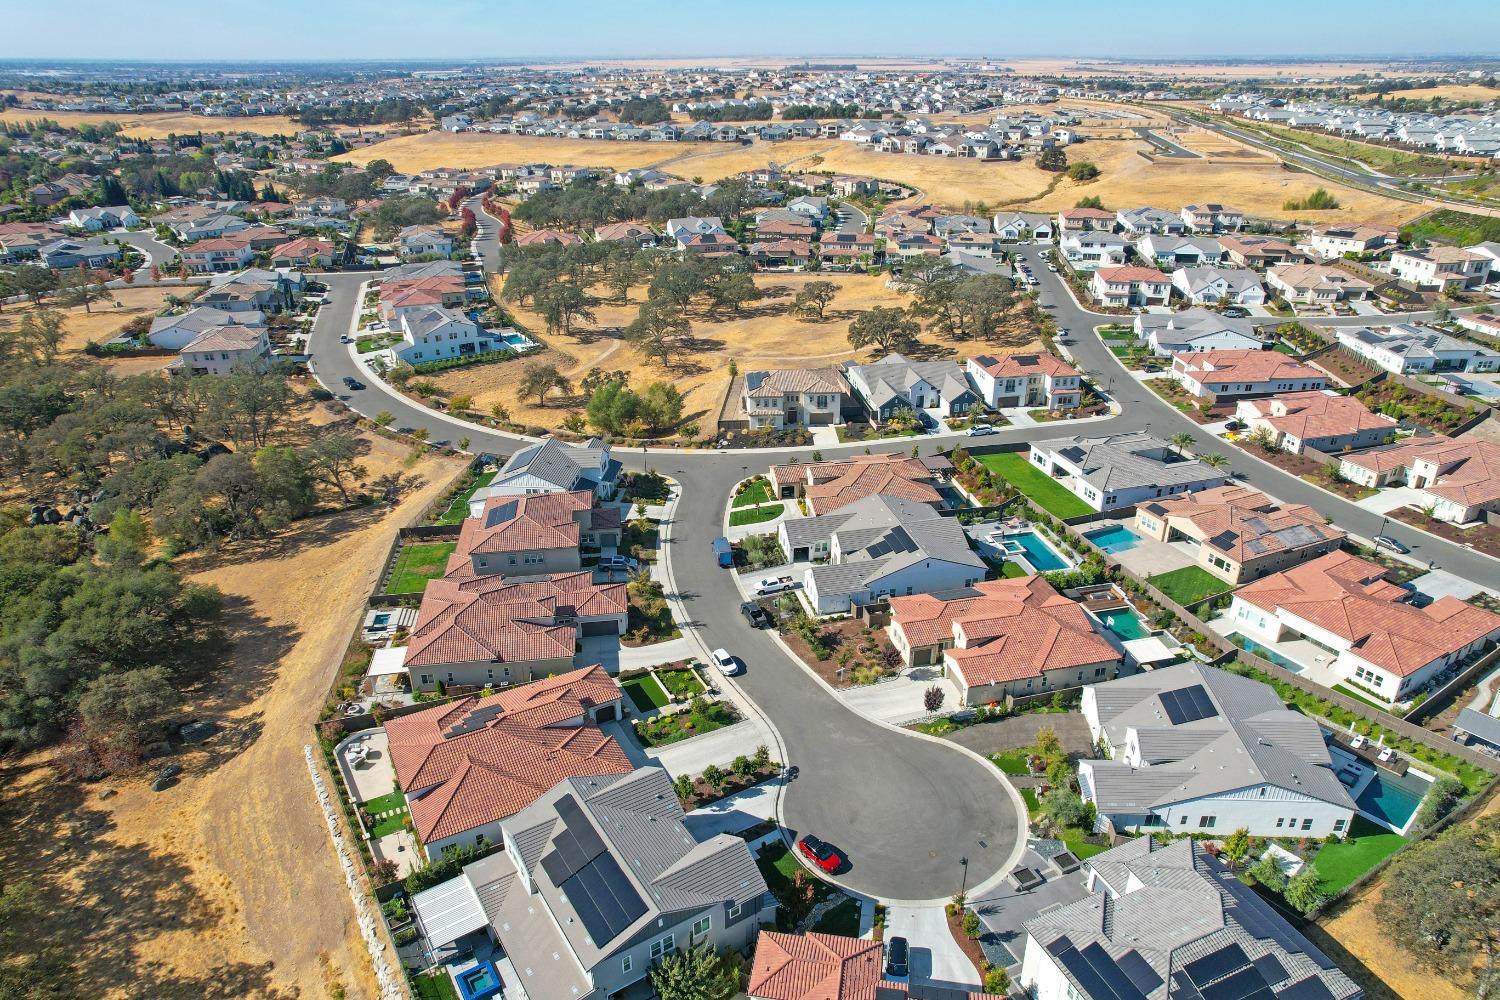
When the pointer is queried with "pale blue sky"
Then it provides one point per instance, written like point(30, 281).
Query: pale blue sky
point(468, 29)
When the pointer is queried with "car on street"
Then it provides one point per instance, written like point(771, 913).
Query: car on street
point(821, 853)
point(897, 959)
point(980, 430)
point(727, 664)
point(774, 585)
point(1387, 542)
point(1052, 267)
point(344, 338)
point(353, 384)
point(757, 616)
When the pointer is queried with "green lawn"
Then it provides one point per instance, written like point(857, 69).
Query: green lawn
point(417, 564)
point(389, 825)
point(1012, 569)
point(777, 866)
point(665, 729)
point(1188, 584)
point(1081, 848)
point(438, 986)
point(1367, 844)
point(842, 919)
point(385, 803)
point(680, 683)
point(755, 515)
point(459, 508)
point(756, 492)
point(645, 693)
point(1016, 469)
point(1033, 807)
point(1011, 761)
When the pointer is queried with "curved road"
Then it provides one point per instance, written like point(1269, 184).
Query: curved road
point(906, 808)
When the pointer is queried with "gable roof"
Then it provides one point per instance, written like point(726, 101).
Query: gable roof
point(814, 966)
point(523, 524)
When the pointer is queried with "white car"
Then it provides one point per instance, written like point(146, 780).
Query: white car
point(726, 663)
point(774, 585)
point(979, 430)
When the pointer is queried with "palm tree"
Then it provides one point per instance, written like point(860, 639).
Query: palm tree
point(1181, 440)
point(1213, 460)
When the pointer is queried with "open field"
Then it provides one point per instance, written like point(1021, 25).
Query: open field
point(1386, 159)
point(160, 125)
point(1447, 92)
point(225, 884)
point(1217, 146)
point(104, 321)
point(426, 150)
point(767, 334)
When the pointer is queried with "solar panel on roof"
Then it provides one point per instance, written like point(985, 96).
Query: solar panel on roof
point(1311, 988)
point(1098, 974)
point(1246, 984)
point(1271, 968)
point(1139, 971)
point(1216, 965)
point(1187, 704)
point(605, 900)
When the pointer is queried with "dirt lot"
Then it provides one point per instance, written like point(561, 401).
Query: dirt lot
point(104, 321)
point(224, 885)
point(1447, 92)
point(159, 126)
point(767, 334)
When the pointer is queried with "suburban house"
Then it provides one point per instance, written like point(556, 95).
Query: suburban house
point(209, 226)
point(1015, 636)
point(829, 486)
point(932, 390)
point(1239, 534)
point(399, 296)
point(553, 466)
point(175, 332)
point(1446, 269)
point(1171, 914)
point(1180, 251)
point(305, 251)
point(491, 631)
point(1130, 286)
point(60, 255)
point(1259, 252)
point(633, 233)
point(1194, 749)
point(253, 288)
point(433, 333)
point(1321, 420)
point(95, 220)
point(879, 547)
point(548, 238)
point(1211, 285)
point(1196, 329)
point(781, 254)
point(1023, 225)
point(846, 251)
point(1147, 221)
point(1224, 375)
point(1490, 250)
point(1114, 471)
point(1486, 323)
point(680, 230)
point(1381, 644)
point(794, 397)
point(1474, 728)
point(1317, 284)
point(220, 350)
point(527, 535)
point(599, 879)
point(1085, 249)
point(1335, 239)
point(1032, 380)
point(466, 765)
point(213, 256)
point(815, 966)
point(1212, 218)
point(423, 241)
point(1458, 479)
point(1085, 220)
point(1409, 347)
point(710, 245)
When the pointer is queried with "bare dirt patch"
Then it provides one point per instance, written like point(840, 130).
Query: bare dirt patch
point(224, 885)
point(160, 125)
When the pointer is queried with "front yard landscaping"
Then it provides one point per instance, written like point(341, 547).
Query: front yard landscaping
point(680, 683)
point(416, 564)
point(843, 653)
point(780, 868)
point(458, 509)
point(1044, 491)
point(753, 492)
point(1324, 476)
point(703, 716)
point(1483, 537)
point(1189, 584)
point(1401, 403)
point(648, 618)
point(1200, 411)
point(644, 693)
point(756, 515)
point(842, 919)
point(648, 486)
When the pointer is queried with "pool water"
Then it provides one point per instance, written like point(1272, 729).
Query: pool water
point(479, 982)
point(1114, 539)
point(1124, 623)
point(1251, 646)
point(1041, 555)
point(1393, 799)
point(380, 621)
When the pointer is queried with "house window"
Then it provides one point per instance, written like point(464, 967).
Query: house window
point(665, 946)
point(1280, 820)
point(627, 963)
point(702, 926)
point(1207, 822)
point(1338, 826)
point(737, 909)
point(1307, 823)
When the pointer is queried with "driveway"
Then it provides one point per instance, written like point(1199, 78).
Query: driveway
point(719, 747)
point(935, 957)
point(1390, 498)
point(900, 700)
point(737, 812)
point(1005, 910)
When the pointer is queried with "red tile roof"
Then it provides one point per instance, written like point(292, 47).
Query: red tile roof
point(1015, 365)
point(1242, 366)
point(814, 967)
point(487, 758)
point(831, 485)
point(1312, 415)
point(1350, 597)
point(524, 524)
point(1130, 273)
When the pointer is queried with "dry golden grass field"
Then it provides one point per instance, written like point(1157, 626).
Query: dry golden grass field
point(103, 322)
point(767, 334)
point(1448, 92)
point(426, 150)
point(161, 125)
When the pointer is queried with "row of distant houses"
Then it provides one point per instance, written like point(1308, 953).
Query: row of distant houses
point(1467, 134)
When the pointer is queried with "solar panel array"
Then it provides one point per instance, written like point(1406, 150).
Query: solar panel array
point(1094, 971)
point(1187, 704)
point(590, 877)
point(896, 540)
point(1228, 974)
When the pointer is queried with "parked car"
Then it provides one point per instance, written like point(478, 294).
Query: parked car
point(897, 959)
point(774, 585)
point(344, 338)
point(757, 616)
point(1234, 425)
point(1052, 267)
point(1235, 312)
point(619, 562)
point(980, 430)
point(821, 853)
point(1387, 542)
point(727, 664)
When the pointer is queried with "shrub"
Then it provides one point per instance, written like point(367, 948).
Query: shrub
point(971, 923)
point(1442, 798)
point(1066, 808)
point(997, 982)
point(1268, 873)
point(932, 698)
point(1305, 892)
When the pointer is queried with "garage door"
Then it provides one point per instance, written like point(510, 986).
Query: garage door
point(607, 714)
point(606, 627)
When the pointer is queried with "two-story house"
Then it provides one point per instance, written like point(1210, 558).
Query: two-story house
point(795, 397)
point(1130, 286)
point(1032, 379)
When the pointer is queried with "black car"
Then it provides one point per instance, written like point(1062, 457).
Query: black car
point(353, 384)
point(757, 616)
point(897, 959)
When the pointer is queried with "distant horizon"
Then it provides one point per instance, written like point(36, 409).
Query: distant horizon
point(343, 31)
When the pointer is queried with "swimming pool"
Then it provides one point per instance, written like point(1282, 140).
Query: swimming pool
point(1251, 646)
point(1042, 556)
point(1124, 623)
point(479, 982)
point(1393, 799)
point(1113, 539)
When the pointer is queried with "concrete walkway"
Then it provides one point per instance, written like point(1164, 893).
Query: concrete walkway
point(631, 658)
point(935, 957)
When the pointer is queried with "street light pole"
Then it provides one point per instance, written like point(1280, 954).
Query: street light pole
point(964, 884)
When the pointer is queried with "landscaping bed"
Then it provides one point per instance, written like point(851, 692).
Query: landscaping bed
point(1482, 537)
point(866, 655)
point(1016, 469)
point(732, 782)
point(1200, 411)
point(680, 682)
point(418, 563)
point(648, 486)
point(756, 491)
point(648, 617)
point(458, 507)
point(703, 716)
point(1308, 470)
point(759, 551)
point(1345, 368)
point(867, 432)
point(1401, 403)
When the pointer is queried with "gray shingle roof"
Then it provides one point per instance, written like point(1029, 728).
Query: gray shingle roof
point(1123, 461)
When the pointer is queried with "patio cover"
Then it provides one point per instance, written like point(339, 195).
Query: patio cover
point(449, 911)
point(1147, 650)
point(388, 660)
